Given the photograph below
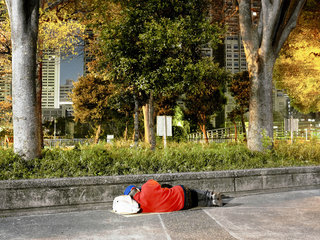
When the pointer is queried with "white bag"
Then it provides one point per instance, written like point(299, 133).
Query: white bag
point(125, 204)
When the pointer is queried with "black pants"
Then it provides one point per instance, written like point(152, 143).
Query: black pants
point(196, 198)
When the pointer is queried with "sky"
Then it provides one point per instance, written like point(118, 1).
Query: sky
point(71, 68)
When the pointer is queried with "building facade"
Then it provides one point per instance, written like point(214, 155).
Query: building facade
point(65, 91)
point(50, 80)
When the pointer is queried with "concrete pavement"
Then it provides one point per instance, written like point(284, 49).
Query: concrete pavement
point(284, 215)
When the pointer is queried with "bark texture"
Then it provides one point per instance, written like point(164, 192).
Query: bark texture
point(151, 123)
point(136, 121)
point(146, 121)
point(262, 43)
point(24, 15)
point(97, 136)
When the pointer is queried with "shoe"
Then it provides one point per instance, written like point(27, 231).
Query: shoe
point(216, 199)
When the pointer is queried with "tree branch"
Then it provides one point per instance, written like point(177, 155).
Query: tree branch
point(248, 33)
point(276, 17)
point(8, 3)
point(270, 10)
point(55, 4)
point(282, 36)
point(260, 27)
point(280, 20)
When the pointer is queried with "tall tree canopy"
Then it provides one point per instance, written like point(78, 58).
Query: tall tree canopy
point(149, 49)
point(58, 29)
point(298, 67)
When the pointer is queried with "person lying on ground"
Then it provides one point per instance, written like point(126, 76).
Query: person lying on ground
point(153, 197)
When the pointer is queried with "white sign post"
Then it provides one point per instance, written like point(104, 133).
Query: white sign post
point(164, 127)
point(110, 138)
point(291, 125)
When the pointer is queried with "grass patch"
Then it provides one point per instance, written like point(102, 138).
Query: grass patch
point(121, 159)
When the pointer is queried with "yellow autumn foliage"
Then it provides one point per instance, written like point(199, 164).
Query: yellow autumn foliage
point(58, 29)
point(298, 68)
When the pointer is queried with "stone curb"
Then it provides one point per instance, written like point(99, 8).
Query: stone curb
point(91, 192)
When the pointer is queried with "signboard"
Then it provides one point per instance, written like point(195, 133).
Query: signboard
point(110, 138)
point(164, 126)
point(291, 124)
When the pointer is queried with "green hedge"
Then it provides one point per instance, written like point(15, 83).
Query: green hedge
point(119, 159)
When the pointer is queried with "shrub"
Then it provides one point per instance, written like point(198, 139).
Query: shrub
point(120, 159)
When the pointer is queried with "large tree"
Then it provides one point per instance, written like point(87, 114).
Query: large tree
point(24, 17)
point(57, 30)
point(90, 98)
point(263, 39)
point(150, 51)
point(205, 96)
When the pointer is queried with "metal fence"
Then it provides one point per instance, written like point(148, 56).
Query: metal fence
point(66, 142)
point(302, 134)
point(228, 134)
point(216, 135)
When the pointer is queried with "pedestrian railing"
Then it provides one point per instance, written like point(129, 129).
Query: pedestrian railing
point(306, 134)
point(216, 135)
point(229, 135)
point(66, 142)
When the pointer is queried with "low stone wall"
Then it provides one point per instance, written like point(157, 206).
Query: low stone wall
point(21, 196)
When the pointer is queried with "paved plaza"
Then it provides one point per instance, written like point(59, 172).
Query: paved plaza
point(285, 215)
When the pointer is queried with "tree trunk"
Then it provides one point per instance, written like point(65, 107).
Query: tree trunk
point(235, 131)
point(97, 136)
point(243, 126)
point(262, 44)
point(151, 123)
point(39, 87)
point(202, 125)
point(136, 121)
point(146, 121)
point(125, 134)
point(24, 17)
point(39, 96)
point(203, 129)
point(260, 114)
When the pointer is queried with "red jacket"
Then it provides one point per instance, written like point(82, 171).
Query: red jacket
point(153, 198)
